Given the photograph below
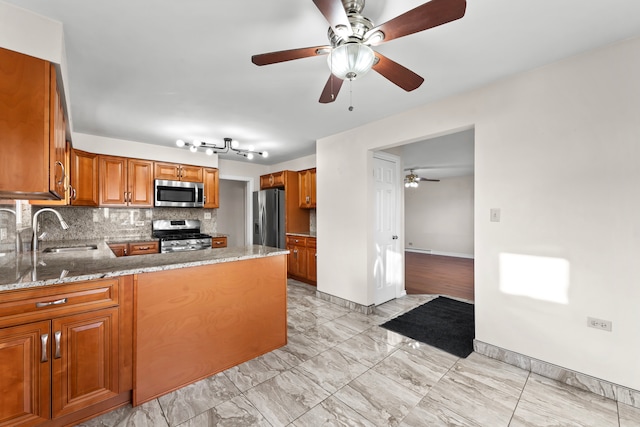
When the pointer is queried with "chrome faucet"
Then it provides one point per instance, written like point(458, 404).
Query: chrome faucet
point(64, 225)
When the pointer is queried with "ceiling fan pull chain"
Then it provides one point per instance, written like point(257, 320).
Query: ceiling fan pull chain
point(350, 95)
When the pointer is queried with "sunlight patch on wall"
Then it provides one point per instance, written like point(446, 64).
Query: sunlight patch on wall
point(537, 277)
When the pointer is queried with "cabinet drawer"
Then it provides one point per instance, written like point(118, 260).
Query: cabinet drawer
point(296, 240)
point(218, 242)
point(42, 303)
point(141, 248)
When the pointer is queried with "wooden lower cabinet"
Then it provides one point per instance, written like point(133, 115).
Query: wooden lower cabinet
point(195, 322)
point(71, 362)
point(25, 377)
point(85, 360)
point(219, 242)
point(135, 248)
point(302, 259)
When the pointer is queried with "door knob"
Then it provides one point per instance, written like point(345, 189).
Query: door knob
point(395, 237)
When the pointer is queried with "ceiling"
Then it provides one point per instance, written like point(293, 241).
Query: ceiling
point(156, 71)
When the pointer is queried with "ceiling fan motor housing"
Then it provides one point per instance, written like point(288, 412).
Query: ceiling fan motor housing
point(353, 6)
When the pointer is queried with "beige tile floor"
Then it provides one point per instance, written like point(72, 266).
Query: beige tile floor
point(340, 368)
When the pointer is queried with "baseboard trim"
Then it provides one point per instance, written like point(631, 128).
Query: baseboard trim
point(441, 253)
point(364, 309)
point(585, 382)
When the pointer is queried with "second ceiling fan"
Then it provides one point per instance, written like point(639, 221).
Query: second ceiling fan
point(351, 36)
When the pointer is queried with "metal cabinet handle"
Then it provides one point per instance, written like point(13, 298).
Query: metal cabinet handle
point(48, 303)
point(44, 338)
point(74, 193)
point(56, 336)
point(143, 248)
point(64, 173)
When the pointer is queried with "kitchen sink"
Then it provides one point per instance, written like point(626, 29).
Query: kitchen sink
point(61, 249)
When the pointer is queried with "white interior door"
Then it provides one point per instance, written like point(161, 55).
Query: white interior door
point(388, 258)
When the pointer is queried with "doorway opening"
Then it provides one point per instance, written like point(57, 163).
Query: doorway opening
point(439, 215)
point(234, 213)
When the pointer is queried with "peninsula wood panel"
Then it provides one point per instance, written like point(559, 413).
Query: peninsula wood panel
point(192, 323)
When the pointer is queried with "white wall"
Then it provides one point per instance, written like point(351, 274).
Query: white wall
point(557, 150)
point(439, 217)
point(302, 163)
point(140, 150)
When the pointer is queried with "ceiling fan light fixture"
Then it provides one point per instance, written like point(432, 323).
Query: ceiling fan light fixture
point(351, 60)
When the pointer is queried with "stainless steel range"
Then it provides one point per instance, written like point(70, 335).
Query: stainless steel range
point(180, 235)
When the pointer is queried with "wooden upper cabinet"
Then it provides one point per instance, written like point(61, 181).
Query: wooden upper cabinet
point(125, 182)
point(66, 199)
point(140, 182)
point(211, 188)
point(58, 163)
point(113, 181)
point(32, 129)
point(273, 180)
point(307, 188)
point(177, 172)
point(84, 178)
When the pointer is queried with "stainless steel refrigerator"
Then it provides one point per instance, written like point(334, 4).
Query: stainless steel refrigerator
point(268, 218)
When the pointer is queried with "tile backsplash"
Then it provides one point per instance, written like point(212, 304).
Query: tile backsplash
point(91, 223)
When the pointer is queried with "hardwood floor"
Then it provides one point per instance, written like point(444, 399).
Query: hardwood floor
point(436, 274)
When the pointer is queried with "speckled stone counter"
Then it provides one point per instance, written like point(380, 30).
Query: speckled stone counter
point(26, 270)
point(309, 234)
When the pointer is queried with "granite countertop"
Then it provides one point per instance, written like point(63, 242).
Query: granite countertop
point(19, 271)
point(306, 234)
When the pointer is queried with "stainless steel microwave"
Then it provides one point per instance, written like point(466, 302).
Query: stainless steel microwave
point(178, 194)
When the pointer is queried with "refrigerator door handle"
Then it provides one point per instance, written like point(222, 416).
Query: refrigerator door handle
point(263, 223)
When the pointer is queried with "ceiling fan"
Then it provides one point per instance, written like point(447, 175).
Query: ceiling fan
point(411, 180)
point(351, 36)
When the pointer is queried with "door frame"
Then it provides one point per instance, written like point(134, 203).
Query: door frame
point(399, 215)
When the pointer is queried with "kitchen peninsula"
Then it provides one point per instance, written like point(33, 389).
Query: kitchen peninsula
point(78, 320)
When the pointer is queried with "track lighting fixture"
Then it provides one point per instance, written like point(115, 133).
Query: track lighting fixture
point(229, 145)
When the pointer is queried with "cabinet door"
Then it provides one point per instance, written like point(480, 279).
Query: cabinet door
point(113, 181)
point(25, 363)
point(191, 173)
point(312, 187)
point(140, 183)
point(169, 171)
point(24, 118)
point(58, 170)
point(85, 360)
point(307, 188)
point(211, 188)
point(311, 260)
point(84, 178)
point(297, 261)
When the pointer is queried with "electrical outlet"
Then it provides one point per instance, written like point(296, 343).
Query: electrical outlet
point(139, 223)
point(604, 325)
point(207, 215)
point(3, 233)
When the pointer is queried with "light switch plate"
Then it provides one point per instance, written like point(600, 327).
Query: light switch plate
point(494, 214)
